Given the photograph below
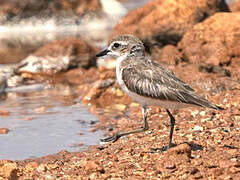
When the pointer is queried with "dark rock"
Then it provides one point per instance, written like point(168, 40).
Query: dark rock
point(3, 84)
point(211, 68)
point(101, 148)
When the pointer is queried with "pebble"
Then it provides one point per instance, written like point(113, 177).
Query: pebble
point(133, 104)
point(170, 166)
point(40, 109)
point(120, 107)
point(194, 113)
point(4, 113)
point(202, 113)
point(28, 118)
point(49, 177)
point(7, 170)
point(237, 117)
point(91, 165)
point(4, 130)
point(180, 149)
point(41, 168)
point(14, 81)
point(198, 128)
point(205, 119)
point(227, 164)
point(119, 93)
point(31, 166)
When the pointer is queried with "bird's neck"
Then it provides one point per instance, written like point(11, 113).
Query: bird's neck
point(121, 58)
point(137, 50)
point(137, 53)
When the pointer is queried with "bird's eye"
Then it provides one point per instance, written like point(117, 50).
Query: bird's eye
point(116, 45)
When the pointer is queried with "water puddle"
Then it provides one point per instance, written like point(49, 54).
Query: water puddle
point(45, 122)
point(132, 4)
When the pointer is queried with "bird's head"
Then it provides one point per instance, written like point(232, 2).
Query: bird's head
point(122, 45)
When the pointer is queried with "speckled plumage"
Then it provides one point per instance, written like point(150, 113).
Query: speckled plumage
point(149, 79)
point(149, 83)
point(143, 76)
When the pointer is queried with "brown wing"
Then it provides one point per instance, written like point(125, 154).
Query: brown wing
point(152, 80)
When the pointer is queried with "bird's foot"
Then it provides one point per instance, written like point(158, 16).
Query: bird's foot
point(170, 146)
point(165, 148)
point(113, 138)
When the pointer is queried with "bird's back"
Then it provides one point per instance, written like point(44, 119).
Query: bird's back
point(145, 77)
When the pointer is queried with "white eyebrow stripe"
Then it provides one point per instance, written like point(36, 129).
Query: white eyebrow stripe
point(120, 42)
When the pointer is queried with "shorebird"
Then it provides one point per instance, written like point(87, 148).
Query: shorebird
point(148, 83)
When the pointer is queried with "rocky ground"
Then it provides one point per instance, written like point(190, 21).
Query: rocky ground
point(203, 51)
point(207, 141)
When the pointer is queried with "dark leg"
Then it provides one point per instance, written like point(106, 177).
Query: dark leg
point(172, 128)
point(115, 137)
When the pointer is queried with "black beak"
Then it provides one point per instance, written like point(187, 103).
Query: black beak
point(103, 53)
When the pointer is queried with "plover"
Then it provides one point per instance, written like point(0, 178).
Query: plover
point(149, 83)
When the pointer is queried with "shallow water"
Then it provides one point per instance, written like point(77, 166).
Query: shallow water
point(134, 4)
point(45, 122)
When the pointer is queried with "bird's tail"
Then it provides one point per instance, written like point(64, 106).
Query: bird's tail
point(202, 102)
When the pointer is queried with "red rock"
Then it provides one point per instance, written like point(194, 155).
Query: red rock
point(98, 88)
point(215, 171)
point(4, 113)
point(170, 165)
point(28, 118)
point(40, 109)
point(107, 74)
point(31, 166)
point(8, 170)
point(228, 164)
point(92, 94)
point(83, 6)
point(41, 168)
point(60, 56)
point(235, 6)
point(169, 54)
point(28, 8)
point(162, 22)
point(215, 40)
point(92, 166)
point(180, 149)
point(4, 130)
point(25, 11)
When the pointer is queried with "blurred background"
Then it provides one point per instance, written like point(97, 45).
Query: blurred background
point(38, 118)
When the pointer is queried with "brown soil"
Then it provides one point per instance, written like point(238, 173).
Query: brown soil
point(207, 141)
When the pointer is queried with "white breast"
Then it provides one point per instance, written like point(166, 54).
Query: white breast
point(119, 74)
